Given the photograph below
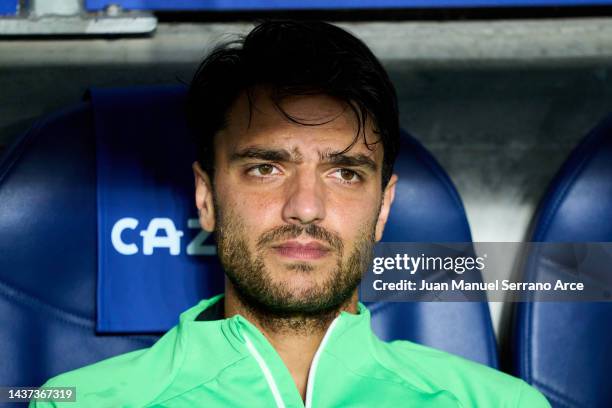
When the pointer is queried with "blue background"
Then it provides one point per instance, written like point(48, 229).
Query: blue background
point(326, 4)
point(8, 6)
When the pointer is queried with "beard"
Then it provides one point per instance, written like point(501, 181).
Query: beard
point(274, 301)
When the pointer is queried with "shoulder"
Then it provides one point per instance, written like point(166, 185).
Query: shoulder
point(134, 378)
point(473, 384)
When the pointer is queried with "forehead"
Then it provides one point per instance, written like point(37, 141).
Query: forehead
point(306, 124)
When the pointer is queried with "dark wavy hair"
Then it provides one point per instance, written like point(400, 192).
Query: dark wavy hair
point(294, 58)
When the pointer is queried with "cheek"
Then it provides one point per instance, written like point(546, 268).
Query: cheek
point(255, 210)
point(259, 211)
point(352, 218)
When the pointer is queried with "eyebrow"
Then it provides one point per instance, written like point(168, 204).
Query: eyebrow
point(348, 160)
point(282, 155)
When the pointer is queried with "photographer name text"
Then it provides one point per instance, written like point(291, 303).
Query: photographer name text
point(461, 285)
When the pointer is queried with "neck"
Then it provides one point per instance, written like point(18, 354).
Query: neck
point(296, 338)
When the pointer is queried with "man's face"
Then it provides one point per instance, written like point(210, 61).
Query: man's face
point(295, 219)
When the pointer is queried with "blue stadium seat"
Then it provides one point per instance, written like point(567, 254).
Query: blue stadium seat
point(427, 208)
point(48, 248)
point(564, 348)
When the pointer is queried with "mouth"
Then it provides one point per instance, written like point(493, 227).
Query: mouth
point(303, 251)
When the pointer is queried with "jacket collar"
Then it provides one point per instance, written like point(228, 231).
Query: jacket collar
point(205, 347)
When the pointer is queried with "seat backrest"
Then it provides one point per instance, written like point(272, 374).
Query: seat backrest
point(49, 249)
point(564, 348)
point(48, 253)
point(427, 208)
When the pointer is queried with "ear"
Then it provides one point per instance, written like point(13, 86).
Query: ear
point(204, 198)
point(388, 196)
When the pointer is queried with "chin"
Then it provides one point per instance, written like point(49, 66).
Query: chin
point(300, 286)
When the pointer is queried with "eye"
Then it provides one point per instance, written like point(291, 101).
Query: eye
point(346, 176)
point(263, 170)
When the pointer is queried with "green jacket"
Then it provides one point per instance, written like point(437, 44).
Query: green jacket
point(229, 363)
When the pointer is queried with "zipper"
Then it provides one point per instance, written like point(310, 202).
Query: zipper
point(311, 373)
point(315, 362)
point(266, 372)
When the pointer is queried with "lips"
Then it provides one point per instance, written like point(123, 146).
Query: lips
point(304, 251)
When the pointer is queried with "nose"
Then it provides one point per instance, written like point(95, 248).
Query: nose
point(305, 201)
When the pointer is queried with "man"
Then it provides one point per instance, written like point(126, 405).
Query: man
point(298, 130)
